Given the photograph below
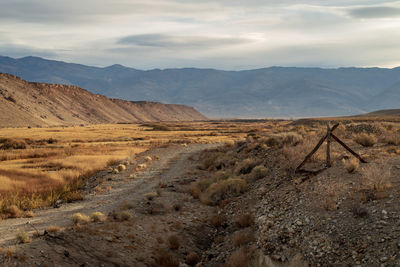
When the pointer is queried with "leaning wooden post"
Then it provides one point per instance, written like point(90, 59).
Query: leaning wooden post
point(328, 146)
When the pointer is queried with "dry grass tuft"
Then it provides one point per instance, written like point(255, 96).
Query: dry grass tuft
point(151, 195)
point(377, 176)
point(217, 220)
point(366, 140)
point(13, 211)
point(98, 217)
point(124, 216)
point(259, 172)
point(164, 259)
point(23, 237)
point(351, 165)
point(121, 167)
point(245, 220)
point(246, 166)
point(79, 218)
point(173, 242)
point(53, 229)
point(29, 214)
point(241, 238)
point(223, 189)
point(240, 258)
point(192, 259)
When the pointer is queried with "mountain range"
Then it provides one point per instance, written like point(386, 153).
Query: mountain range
point(25, 103)
point(259, 93)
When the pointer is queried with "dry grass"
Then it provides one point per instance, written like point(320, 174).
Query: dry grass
point(240, 258)
point(217, 220)
point(23, 237)
point(351, 165)
point(41, 165)
point(164, 259)
point(173, 242)
point(192, 259)
point(245, 220)
point(13, 211)
point(98, 217)
point(259, 172)
point(366, 140)
point(223, 189)
point(79, 218)
point(53, 229)
point(376, 176)
point(241, 238)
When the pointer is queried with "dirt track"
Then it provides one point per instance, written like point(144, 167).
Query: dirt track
point(172, 162)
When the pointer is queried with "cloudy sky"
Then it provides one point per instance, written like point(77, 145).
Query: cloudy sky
point(223, 34)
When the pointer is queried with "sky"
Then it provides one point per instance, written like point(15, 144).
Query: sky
point(221, 34)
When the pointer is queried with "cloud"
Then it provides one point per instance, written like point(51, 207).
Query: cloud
point(15, 50)
point(171, 41)
point(375, 12)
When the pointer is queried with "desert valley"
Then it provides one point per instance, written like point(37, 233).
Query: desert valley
point(149, 184)
point(171, 133)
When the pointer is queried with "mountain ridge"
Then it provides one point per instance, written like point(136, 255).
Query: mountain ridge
point(259, 93)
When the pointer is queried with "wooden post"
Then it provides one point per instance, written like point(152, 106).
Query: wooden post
point(328, 146)
point(348, 149)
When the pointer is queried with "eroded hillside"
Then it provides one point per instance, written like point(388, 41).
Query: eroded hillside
point(24, 103)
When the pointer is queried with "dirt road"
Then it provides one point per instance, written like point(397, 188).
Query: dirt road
point(172, 160)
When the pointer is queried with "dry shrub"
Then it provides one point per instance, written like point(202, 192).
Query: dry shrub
point(124, 216)
point(217, 220)
point(366, 140)
point(121, 167)
point(246, 166)
point(240, 258)
point(13, 144)
point(241, 238)
point(224, 189)
point(97, 216)
point(23, 237)
point(245, 220)
point(222, 175)
point(29, 214)
point(173, 242)
point(259, 172)
point(13, 211)
point(194, 191)
point(359, 211)
point(127, 205)
point(282, 139)
point(72, 196)
point(203, 184)
point(164, 259)
point(192, 259)
point(351, 165)
point(53, 229)
point(79, 218)
point(151, 195)
point(391, 138)
point(376, 176)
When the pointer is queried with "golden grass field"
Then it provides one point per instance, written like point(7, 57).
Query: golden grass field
point(40, 165)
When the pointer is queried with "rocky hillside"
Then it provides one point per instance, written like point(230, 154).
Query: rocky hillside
point(25, 103)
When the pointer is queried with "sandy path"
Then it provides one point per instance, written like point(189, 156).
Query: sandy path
point(172, 160)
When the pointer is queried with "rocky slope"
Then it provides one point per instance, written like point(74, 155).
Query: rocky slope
point(25, 103)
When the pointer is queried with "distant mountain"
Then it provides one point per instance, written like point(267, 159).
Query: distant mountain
point(37, 104)
point(268, 92)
